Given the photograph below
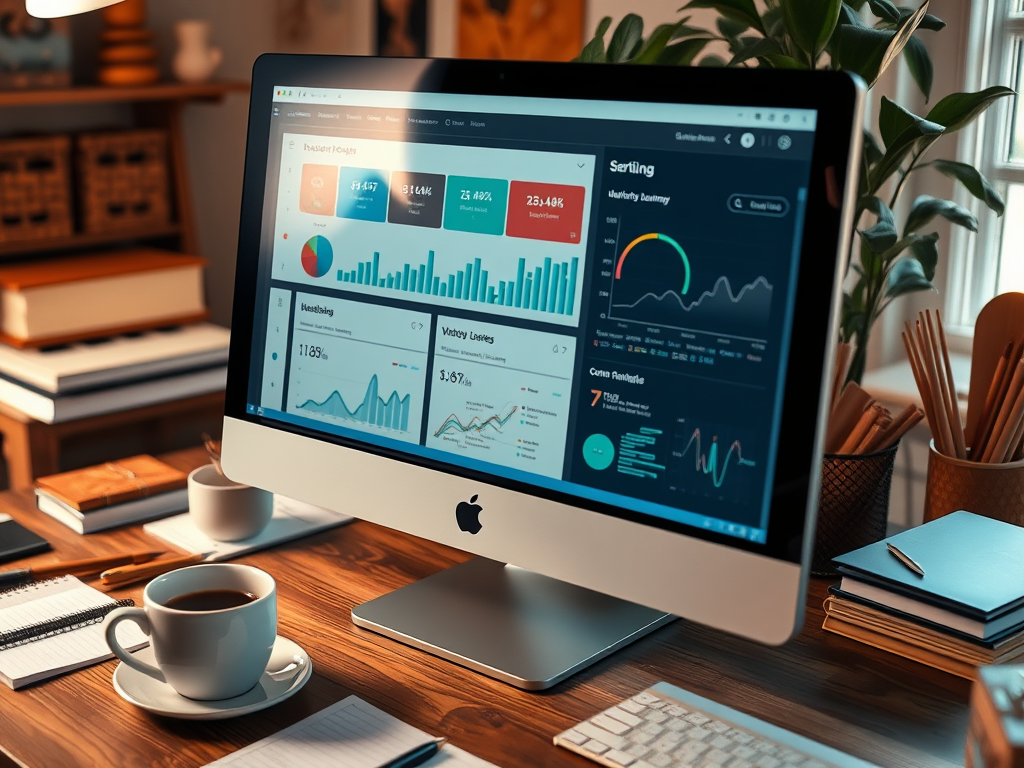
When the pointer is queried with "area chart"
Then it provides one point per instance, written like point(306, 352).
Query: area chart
point(392, 413)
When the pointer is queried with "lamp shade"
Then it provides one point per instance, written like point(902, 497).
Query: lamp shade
point(51, 9)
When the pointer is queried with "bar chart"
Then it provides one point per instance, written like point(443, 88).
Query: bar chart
point(549, 287)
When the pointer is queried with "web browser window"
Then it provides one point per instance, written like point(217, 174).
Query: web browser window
point(587, 297)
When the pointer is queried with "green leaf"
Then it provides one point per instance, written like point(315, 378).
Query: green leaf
point(602, 26)
point(811, 22)
point(903, 35)
point(625, 37)
point(730, 29)
point(683, 53)
point(933, 23)
point(882, 235)
point(755, 48)
point(907, 276)
point(973, 180)
point(904, 142)
point(872, 152)
point(655, 44)
point(784, 62)
point(684, 30)
point(926, 251)
point(926, 208)
point(920, 65)
point(849, 15)
point(774, 22)
point(893, 120)
point(884, 10)
point(711, 60)
point(868, 51)
point(738, 10)
point(959, 109)
point(593, 52)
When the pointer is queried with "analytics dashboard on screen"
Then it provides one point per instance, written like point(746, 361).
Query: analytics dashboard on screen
point(589, 298)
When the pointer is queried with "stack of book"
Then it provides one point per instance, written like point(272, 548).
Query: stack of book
point(949, 594)
point(86, 335)
point(114, 493)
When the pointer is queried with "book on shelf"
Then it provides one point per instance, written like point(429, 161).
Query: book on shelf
point(69, 298)
point(52, 409)
point(131, 490)
point(118, 359)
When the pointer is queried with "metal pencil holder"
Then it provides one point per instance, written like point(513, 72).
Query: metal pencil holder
point(853, 505)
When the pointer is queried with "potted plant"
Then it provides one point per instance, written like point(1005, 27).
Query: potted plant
point(890, 260)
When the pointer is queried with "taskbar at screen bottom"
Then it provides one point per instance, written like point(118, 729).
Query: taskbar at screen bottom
point(715, 525)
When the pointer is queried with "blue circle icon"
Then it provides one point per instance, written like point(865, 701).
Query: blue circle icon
point(598, 452)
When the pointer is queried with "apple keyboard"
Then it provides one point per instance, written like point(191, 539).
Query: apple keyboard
point(668, 727)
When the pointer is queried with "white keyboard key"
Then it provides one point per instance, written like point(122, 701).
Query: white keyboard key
point(721, 742)
point(631, 706)
point(696, 719)
point(575, 737)
point(638, 750)
point(619, 758)
point(596, 747)
point(610, 724)
point(718, 726)
point(623, 717)
point(740, 737)
point(653, 728)
point(692, 749)
point(659, 704)
point(716, 756)
point(698, 734)
point(640, 737)
point(676, 711)
point(765, 747)
point(674, 724)
point(745, 753)
point(645, 698)
point(601, 735)
point(667, 742)
point(660, 760)
point(655, 716)
point(768, 762)
point(789, 757)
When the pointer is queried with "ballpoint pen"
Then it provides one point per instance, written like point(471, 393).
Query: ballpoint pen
point(416, 755)
point(75, 567)
point(130, 574)
point(903, 558)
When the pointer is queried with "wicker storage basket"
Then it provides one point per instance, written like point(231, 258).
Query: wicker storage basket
point(35, 188)
point(123, 180)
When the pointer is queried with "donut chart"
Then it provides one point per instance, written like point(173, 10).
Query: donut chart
point(317, 256)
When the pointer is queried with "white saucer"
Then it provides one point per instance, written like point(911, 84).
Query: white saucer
point(287, 671)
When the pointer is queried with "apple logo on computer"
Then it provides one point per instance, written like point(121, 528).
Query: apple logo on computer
point(467, 515)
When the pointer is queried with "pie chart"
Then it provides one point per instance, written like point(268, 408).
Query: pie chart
point(317, 256)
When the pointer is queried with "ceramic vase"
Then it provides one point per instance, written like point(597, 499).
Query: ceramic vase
point(195, 60)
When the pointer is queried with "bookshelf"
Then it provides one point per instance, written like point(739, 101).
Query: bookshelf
point(32, 448)
point(154, 106)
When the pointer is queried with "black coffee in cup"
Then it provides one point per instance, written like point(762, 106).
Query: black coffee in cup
point(210, 600)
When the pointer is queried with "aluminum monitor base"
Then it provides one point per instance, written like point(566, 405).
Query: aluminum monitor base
point(525, 629)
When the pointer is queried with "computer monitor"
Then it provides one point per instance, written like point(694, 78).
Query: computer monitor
point(572, 318)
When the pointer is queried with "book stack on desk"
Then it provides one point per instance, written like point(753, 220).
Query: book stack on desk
point(949, 594)
point(114, 493)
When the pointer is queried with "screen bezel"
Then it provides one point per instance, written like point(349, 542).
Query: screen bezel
point(833, 95)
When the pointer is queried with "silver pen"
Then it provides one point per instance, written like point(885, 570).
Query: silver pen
point(906, 560)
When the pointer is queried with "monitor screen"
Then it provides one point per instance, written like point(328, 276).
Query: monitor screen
point(585, 300)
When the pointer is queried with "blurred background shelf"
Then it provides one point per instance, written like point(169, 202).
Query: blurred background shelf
point(95, 94)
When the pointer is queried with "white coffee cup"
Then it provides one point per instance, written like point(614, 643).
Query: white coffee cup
point(204, 655)
point(225, 510)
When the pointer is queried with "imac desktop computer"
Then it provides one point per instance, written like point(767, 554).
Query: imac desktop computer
point(577, 320)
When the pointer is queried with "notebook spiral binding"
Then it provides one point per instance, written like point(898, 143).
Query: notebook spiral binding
point(15, 637)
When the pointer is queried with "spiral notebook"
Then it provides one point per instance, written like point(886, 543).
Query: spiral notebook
point(62, 619)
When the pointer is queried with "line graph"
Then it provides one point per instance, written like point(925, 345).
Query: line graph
point(475, 424)
point(708, 462)
point(712, 295)
point(392, 413)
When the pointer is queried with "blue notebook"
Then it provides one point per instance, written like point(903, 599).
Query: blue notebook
point(974, 566)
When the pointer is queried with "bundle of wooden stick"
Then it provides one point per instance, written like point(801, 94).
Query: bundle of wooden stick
point(929, 361)
point(999, 435)
point(858, 423)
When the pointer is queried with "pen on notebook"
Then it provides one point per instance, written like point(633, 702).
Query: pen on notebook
point(416, 755)
point(907, 561)
point(75, 567)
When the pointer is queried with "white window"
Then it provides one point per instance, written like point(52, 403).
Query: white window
point(992, 262)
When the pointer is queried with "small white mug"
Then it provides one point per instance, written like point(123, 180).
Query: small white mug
point(204, 654)
point(225, 510)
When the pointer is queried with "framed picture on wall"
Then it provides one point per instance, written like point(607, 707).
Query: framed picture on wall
point(402, 27)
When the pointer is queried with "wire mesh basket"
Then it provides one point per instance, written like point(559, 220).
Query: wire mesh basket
point(853, 505)
point(35, 188)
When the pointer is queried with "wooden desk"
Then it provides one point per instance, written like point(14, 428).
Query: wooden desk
point(872, 704)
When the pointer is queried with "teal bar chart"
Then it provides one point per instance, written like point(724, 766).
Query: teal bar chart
point(549, 287)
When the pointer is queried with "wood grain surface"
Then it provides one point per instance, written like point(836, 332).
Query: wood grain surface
point(869, 703)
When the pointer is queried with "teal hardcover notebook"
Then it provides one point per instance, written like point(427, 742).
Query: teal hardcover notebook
point(974, 565)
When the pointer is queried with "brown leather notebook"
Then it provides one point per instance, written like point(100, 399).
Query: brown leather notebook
point(113, 482)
